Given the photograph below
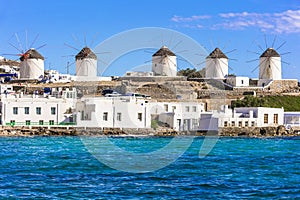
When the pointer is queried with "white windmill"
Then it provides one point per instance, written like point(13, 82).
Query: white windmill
point(86, 64)
point(32, 62)
point(32, 65)
point(270, 65)
point(216, 65)
point(164, 62)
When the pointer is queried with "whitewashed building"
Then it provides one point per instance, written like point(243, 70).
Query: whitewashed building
point(113, 112)
point(181, 116)
point(216, 65)
point(269, 67)
point(164, 62)
point(32, 65)
point(38, 110)
point(291, 119)
point(86, 65)
point(242, 117)
point(238, 81)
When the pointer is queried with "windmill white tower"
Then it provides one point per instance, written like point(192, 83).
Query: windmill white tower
point(32, 65)
point(164, 62)
point(216, 65)
point(270, 65)
point(86, 64)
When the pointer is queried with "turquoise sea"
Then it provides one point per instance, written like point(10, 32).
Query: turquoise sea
point(236, 168)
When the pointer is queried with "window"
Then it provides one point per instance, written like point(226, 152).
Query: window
point(41, 122)
point(38, 110)
point(242, 82)
point(27, 122)
point(26, 110)
point(166, 107)
point(233, 123)
point(105, 116)
point(275, 118)
point(51, 122)
point(140, 116)
point(15, 110)
point(225, 124)
point(187, 109)
point(246, 123)
point(53, 110)
point(240, 123)
point(173, 108)
point(12, 122)
point(194, 109)
point(119, 116)
point(252, 123)
point(266, 118)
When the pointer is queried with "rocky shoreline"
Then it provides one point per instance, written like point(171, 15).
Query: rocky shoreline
point(279, 131)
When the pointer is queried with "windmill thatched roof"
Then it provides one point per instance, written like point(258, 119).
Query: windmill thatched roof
point(217, 53)
point(270, 52)
point(86, 53)
point(30, 54)
point(164, 51)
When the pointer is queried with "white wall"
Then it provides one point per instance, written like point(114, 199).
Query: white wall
point(238, 81)
point(61, 105)
point(164, 66)
point(31, 68)
point(86, 67)
point(216, 68)
point(270, 68)
point(129, 107)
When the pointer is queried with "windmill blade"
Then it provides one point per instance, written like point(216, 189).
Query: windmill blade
point(36, 37)
point(226, 64)
point(76, 40)
point(85, 39)
point(153, 60)
point(15, 47)
point(281, 45)
point(171, 38)
point(265, 37)
point(93, 39)
point(285, 62)
point(258, 45)
point(199, 54)
point(147, 51)
point(259, 65)
point(176, 44)
point(225, 46)
point(233, 59)
point(181, 51)
point(230, 51)
point(9, 54)
point(252, 60)
point(104, 52)
point(40, 46)
point(253, 52)
point(71, 47)
point(274, 64)
point(68, 56)
point(285, 53)
point(273, 43)
point(26, 35)
point(18, 40)
point(202, 62)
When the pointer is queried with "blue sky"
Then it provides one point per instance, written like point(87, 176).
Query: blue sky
point(229, 24)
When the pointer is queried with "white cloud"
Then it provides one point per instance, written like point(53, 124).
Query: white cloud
point(176, 18)
point(281, 22)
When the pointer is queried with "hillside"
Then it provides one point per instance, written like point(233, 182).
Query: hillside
point(289, 103)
